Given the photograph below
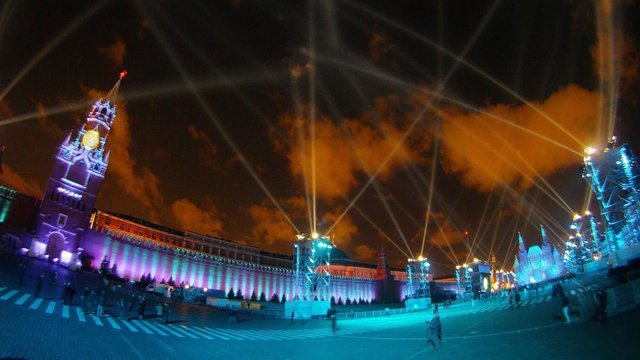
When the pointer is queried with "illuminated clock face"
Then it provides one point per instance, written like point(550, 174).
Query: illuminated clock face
point(91, 139)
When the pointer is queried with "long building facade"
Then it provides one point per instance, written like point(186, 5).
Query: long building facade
point(70, 231)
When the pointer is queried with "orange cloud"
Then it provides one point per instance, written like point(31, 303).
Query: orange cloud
point(12, 179)
point(115, 52)
point(365, 253)
point(351, 148)
point(142, 185)
point(379, 46)
point(191, 217)
point(44, 122)
point(343, 231)
point(271, 228)
point(208, 149)
point(486, 152)
point(442, 232)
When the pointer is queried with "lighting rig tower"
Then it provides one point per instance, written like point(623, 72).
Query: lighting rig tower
point(613, 176)
point(463, 278)
point(583, 246)
point(311, 261)
point(418, 278)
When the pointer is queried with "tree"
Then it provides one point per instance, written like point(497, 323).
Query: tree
point(114, 269)
point(340, 301)
point(284, 299)
point(254, 297)
point(274, 299)
point(239, 295)
point(333, 300)
point(263, 297)
point(348, 302)
point(171, 281)
point(230, 294)
point(104, 266)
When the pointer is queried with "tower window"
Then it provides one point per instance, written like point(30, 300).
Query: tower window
point(62, 220)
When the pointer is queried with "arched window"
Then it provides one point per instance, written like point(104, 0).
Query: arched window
point(78, 173)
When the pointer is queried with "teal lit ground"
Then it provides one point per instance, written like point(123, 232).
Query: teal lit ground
point(33, 329)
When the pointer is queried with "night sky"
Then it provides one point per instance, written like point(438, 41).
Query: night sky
point(476, 113)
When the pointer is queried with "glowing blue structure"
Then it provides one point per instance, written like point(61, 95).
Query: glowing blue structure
point(538, 263)
point(583, 246)
point(418, 286)
point(613, 175)
point(418, 278)
point(311, 260)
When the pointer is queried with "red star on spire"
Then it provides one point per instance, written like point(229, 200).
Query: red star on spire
point(123, 74)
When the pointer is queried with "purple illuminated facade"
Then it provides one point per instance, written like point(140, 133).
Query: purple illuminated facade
point(70, 195)
point(139, 248)
point(70, 231)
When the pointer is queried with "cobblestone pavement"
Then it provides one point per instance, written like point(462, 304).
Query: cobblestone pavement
point(44, 328)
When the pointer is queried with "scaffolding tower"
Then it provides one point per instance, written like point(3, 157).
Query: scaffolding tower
point(613, 176)
point(418, 278)
point(312, 257)
point(463, 279)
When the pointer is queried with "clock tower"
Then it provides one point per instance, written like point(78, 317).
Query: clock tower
point(70, 195)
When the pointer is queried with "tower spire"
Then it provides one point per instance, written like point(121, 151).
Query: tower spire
point(544, 236)
point(521, 242)
point(113, 93)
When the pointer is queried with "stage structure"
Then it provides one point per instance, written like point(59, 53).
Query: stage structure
point(473, 278)
point(612, 173)
point(583, 246)
point(311, 259)
point(418, 286)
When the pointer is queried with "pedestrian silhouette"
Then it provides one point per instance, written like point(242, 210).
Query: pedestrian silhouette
point(334, 319)
point(141, 307)
point(601, 303)
point(434, 333)
point(166, 311)
point(39, 286)
point(22, 270)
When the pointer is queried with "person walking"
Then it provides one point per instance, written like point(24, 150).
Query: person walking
point(21, 272)
point(65, 293)
point(564, 303)
point(166, 312)
point(434, 332)
point(517, 296)
point(122, 308)
point(102, 298)
point(70, 294)
point(84, 298)
point(601, 305)
point(436, 312)
point(334, 320)
point(39, 286)
point(159, 310)
point(132, 302)
point(141, 307)
point(510, 299)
